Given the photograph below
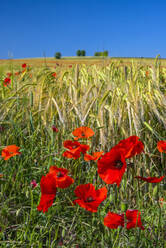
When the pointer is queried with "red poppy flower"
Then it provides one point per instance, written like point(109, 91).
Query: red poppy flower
point(133, 219)
point(151, 179)
point(70, 66)
point(17, 73)
point(88, 197)
point(6, 81)
point(82, 132)
point(84, 148)
point(147, 73)
point(24, 65)
point(61, 177)
point(48, 192)
point(55, 129)
point(161, 146)
point(113, 220)
point(10, 151)
point(75, 154)
point(75, 149)
point(9, 74)
point(112, 166)
point(54, 74)
point(95, 156)
point(69, 144)
point(162, 202)
point(131, 146)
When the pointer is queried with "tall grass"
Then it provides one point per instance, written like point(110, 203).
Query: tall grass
point(115, 101)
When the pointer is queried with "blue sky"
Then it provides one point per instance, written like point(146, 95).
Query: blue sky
point(126, 28)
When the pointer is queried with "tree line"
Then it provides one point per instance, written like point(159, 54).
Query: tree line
point(82, 53)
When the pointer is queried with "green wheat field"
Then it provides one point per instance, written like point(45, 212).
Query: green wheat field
point(116, 98)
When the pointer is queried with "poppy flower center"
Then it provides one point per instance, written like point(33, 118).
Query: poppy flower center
point(82, 134)
point(59, 174)
point(89, 199)
point(118, 164)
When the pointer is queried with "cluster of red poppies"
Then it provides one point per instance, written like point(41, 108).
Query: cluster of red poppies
point(133, 218)
point(56, 178)
point(111, 167)
point(7, 80)
point(75, 148)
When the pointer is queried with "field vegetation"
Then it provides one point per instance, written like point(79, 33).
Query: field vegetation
point(41, 104)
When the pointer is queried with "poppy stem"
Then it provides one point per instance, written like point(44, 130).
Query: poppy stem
point(138, 238)
point(159, 225)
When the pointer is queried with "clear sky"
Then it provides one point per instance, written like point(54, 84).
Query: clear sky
point(126, 28)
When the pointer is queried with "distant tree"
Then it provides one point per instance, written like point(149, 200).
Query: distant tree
point(97, 54)
point(105, 53)
point(78, 52)
point(58, 55)
point(83, 53)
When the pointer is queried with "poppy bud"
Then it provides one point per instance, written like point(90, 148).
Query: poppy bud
point(55, 129)
point(1, 129)
point(33, 183)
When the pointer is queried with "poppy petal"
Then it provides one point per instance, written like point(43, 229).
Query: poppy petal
point(46, 201)
point(133, 219)
point(112, 166)
point(83, 190)
point(131, 146)
point(95, 156)
point(55, 169)
point(161, 146)
point(48, 184)
point(48, 192)
point(24, 65)
point(151, 179)
point(72, 154)
point(88, 197)
point(84, 148)
point(82, 132)
point(60, 175)
point(69, 144)
point(113, 220)
point(65, 182)
point(10, 151)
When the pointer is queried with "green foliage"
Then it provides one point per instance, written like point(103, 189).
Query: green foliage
point(104, 54)
point(58, 55)
point(78, 53)
point(97, 54)
point(83, 53)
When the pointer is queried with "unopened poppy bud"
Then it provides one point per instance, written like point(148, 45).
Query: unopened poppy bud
point(33, 183)
point(1, 128)
point(55, 129)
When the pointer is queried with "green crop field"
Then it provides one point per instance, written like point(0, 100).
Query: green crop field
point(83, 60)
point(42, 101)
